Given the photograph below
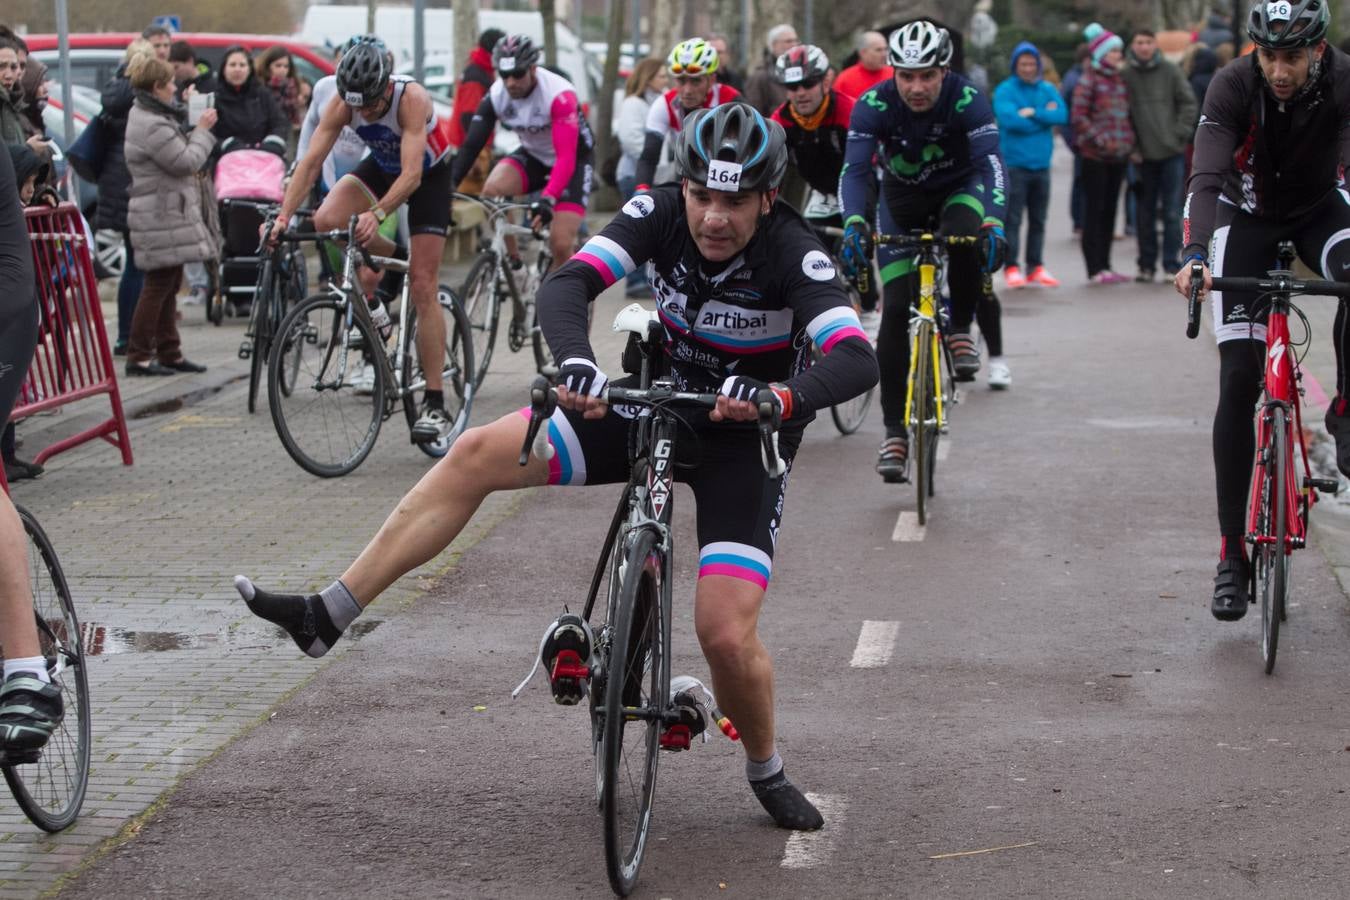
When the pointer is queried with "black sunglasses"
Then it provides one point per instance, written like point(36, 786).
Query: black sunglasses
point(805, 84)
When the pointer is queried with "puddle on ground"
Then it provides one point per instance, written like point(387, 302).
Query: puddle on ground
point(191, 398)
point(106, 640)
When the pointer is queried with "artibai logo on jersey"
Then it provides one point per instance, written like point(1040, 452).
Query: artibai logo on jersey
point(733, 320)
point(640, 206)
point(817, 266)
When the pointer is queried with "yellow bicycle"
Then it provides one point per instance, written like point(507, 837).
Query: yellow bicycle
point(930, 388)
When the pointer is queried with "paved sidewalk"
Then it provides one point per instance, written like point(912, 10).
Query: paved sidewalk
point(181, 667)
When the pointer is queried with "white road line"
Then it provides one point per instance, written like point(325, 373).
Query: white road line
point(876, 642)
point(808, 849)
point(907, 528)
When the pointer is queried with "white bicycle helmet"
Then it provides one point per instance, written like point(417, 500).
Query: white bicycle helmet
point(920, 45)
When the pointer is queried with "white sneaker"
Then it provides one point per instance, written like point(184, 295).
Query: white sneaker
point(432, 426)
point(364, 382)
point(1000, 376)
point(871, 323)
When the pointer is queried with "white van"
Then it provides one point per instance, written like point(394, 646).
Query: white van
point(326, 25)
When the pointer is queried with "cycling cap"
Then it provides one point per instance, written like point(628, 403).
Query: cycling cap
point(514, 54)
point(732, 148)
point(804, 62)
point(920, 45)
point(1288, 24)
point(693, 57)
point(363, 74)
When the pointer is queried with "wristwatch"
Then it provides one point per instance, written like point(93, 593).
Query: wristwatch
point(379, 214)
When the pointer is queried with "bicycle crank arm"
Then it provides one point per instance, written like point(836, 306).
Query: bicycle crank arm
point(1325, 485)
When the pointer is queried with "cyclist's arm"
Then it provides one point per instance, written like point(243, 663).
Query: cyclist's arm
point(336, 116)
point(480, 129)
point(1216, 138)
point(982, 132)
point(849, 364)
point(307, 129)
point(566, 131)
point(658, 126)
point(857, 181)
point(414, 111)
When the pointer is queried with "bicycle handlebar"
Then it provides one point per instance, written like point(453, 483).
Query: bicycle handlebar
point(1278, 281)
point(544, 401)
point(918, 239)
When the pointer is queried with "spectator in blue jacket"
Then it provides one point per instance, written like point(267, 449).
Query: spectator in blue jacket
point(1027, 108)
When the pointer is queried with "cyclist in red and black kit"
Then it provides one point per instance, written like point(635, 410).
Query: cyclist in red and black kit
point(1273, 137)
point(693, 67)
point(815, 120)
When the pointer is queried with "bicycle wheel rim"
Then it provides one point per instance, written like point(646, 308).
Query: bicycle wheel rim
point(849, 415)
point(326, 426)
point(922, 404)
point(1275, 553)
point(456, 379)
point(481, 311)
point(261, 332)
point(631, 749)
point(51, 790)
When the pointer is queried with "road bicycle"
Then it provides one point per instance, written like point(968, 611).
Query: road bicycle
point(331, 380)
point(930, 386)
point(1283, 488)
point(282, 282)
point(49, 784)
point(627, 677)
point(498, 278)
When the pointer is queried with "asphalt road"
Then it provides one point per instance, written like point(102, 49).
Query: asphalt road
point(1042, 705)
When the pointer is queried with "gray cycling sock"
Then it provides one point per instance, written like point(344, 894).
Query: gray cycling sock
point(341, 605)
point(758, 771)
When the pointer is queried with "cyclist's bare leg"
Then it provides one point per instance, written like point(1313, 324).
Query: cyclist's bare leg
point(423, 271)
point(348, 198)
point(562, 241)
point(435, 511)
point(504, 181)
point(726, 616)
point(17, 625)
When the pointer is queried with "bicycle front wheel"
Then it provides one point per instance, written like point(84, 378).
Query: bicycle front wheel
point(260, 331)
point(922, 406)
point(1270, 556)
point(632, 726)
point(456, 371)
point(329, 420)
point(51, 789)
point(479, 297)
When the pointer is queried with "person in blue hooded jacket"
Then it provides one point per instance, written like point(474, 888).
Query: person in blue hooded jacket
point(1028, 108)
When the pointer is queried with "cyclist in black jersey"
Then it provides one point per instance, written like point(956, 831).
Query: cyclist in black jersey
point(744, 289)
point(1273, 140)
point(30, 705)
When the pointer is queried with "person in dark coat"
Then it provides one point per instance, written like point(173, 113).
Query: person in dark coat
point(248, 111)
point(1204, 63)
point(188, 71)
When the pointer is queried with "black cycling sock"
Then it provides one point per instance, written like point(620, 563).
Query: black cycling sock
point(434, 400)
point(314, 621)
point(787, 805)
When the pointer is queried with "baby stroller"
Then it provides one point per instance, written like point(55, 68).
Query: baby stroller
point(248, 183)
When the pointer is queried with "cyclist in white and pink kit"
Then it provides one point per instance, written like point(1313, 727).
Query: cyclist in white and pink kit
point(555, 152)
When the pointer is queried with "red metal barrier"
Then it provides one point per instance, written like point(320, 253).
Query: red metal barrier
point(73, 360)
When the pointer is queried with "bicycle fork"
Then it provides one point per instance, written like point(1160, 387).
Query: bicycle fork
point(926, 313)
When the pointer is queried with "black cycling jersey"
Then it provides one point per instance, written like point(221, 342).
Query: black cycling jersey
point(817, 153)
point(756, 316)
point(1269, 159)
point(18, 312)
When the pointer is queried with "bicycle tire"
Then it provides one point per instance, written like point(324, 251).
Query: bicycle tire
point(631, 744)
point(324, 397)
point(51, 790)
point(482, 308)
point(215, 296)
point(919, 408)
point(260, 330)
point(457, 387)
point(297, 285)
point(1270, 559)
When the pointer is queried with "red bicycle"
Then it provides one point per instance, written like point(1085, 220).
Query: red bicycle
point(1283, 489)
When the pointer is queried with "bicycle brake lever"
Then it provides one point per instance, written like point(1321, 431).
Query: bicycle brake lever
point(1193, 304)
point(768, 434)
point(543, 402)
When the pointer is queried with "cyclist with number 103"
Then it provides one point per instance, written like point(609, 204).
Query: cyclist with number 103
point(1273, 138)
point(744, 290)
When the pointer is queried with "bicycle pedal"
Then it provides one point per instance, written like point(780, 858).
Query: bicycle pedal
point(1325, 485)
point(675, 738)
point(245, 350)
point(569, 678)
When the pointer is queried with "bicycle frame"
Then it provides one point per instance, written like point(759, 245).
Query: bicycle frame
point(502, 227)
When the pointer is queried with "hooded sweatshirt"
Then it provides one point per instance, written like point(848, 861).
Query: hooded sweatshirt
point(1028, 141)
point(1163, 108)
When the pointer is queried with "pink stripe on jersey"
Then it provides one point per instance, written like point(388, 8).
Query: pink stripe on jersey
point(733, 571)
point(839, 335)
point(606, 273)
point(566, 129)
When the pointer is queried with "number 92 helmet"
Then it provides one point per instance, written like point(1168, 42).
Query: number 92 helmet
point(753, 147)
point(802, 63)
point(1288, 24)
point(920, 45)
point(363, 74)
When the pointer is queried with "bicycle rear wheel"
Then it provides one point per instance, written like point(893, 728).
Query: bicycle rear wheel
point(325, 423)
point(849, 415)
point(632, 726)
point(921, 406)
point(51, 789)
point(479, 296)
point(1270, 555)
point(456, 372)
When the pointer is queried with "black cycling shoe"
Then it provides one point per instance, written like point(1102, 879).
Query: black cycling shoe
point(788, 806)
point(1339, 427)
point(30, 710)
point(1232, 590)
